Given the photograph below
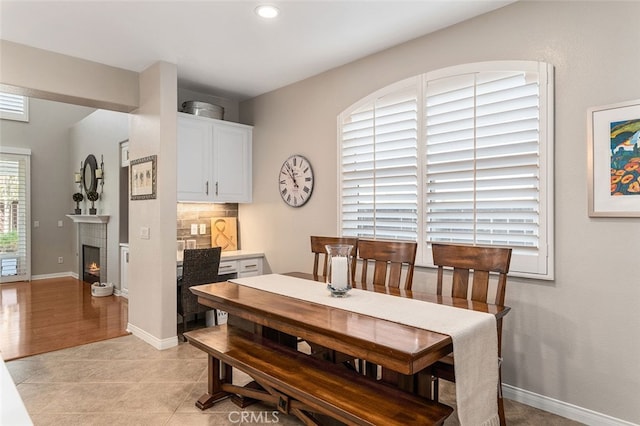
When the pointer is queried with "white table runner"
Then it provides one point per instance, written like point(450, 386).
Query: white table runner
point(473, 334)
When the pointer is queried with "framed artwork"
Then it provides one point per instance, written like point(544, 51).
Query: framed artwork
point(143, 178)
point(614, 160)
point(224, 233)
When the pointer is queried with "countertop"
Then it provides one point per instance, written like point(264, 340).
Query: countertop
point(234, 255)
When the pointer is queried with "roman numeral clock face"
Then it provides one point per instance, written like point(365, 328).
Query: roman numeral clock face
point(296, 181)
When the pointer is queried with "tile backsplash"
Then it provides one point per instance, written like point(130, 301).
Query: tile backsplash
point(200, 214)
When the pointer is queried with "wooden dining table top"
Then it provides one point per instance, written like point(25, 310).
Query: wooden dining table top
point(402, 348)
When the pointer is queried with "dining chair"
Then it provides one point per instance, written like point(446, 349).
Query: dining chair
point(390, 258)
point(199, 266)
point(481, 263)
point(320, 267)
point(318, 245)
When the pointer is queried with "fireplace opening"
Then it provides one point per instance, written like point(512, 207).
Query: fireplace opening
point(91, 264)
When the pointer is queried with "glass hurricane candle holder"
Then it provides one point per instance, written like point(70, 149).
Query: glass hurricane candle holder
point(339, 269)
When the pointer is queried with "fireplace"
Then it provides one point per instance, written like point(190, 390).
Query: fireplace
point(92, 233)
point(90, 263)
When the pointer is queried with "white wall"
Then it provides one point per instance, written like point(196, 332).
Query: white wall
point(575, 339)
point(100, 134)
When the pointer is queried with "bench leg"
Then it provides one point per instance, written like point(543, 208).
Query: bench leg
point(214, 385)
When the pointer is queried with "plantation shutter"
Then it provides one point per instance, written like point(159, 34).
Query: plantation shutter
point(482, 163)
point(14, 107)
point(462, 155)
point(14, 216)
point(379, 167)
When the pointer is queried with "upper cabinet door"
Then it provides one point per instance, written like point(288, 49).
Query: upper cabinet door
point(194, 160)
point(214, 160)
point(232, 162)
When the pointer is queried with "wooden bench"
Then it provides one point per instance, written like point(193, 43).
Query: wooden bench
point(299, 384)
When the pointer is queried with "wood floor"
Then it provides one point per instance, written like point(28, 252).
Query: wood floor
point(47, 315)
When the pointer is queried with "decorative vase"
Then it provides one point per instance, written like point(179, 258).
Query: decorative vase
point(339, 269)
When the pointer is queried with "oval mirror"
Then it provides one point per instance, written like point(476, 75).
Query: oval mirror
point(89, 180)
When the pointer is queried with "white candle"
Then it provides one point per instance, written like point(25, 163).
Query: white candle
point(98, 173)
point(77, 177)
point(339, 275)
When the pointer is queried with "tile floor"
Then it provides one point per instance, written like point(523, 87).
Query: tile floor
point(125, 381)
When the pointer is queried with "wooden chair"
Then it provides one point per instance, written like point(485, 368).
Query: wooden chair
point(481, 261)
point(389, 258)
point(199, 266)
point(320, 258)
point(320, 254)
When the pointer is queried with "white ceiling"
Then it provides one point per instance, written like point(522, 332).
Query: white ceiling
point(222, 47)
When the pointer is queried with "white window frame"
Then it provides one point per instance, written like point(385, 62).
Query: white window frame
point(539, 266)
point(25, 155)
point(14, 107)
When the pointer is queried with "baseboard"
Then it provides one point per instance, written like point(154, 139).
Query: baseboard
point(56, 275)
point(121, 293)
point(159, 344)
point(561, 408)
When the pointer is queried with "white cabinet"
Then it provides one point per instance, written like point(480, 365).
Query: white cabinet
point(245, 265)
point(250, 267)
point(124, 270)
point(214, 160)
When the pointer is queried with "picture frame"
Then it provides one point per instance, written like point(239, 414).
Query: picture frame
point(614, 160)
point(143, 178)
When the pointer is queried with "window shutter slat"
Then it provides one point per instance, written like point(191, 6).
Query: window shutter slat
point(14, 107)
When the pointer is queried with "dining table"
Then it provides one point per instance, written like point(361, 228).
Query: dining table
point(393, 345)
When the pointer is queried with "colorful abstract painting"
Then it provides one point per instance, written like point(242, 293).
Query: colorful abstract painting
point(625, 157)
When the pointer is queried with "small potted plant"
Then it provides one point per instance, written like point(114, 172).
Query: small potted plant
point(77, 197)
point(92, 196)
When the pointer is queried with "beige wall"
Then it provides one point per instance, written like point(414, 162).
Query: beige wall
point(152, 262)
point(66, 79)
point(575, 339)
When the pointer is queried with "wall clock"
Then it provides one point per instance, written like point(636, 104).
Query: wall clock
point(296, 181)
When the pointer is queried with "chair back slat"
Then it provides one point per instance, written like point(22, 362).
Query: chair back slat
point(380, 273)
point(481, 261)
point(318, 244)
point(460, 283)
point(480, 288)
point(390, 257)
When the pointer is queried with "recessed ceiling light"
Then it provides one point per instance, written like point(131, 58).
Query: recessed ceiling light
point(267, 11)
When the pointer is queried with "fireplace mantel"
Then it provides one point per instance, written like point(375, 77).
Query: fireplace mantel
point(88, 218)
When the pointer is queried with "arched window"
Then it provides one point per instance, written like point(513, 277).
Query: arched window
point(460, 155)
